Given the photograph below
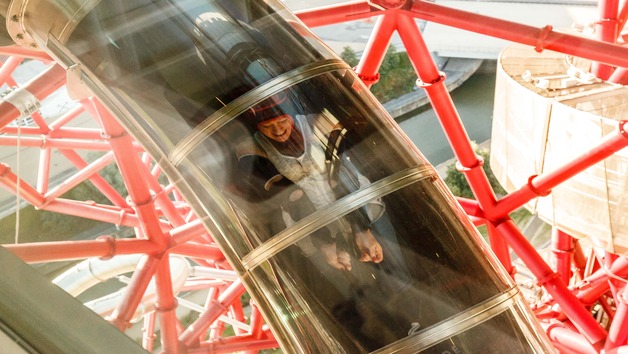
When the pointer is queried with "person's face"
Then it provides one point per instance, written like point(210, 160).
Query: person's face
point(278, 129)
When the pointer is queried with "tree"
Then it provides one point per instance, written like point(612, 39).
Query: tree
point(349, 56)
point(458, 184)
point(392, 61)
point(397, 75)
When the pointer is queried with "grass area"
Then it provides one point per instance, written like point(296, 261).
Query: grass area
point(40, 225)
point(520, 216)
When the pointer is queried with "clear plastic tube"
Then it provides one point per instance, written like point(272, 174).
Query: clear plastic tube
point(349, 240)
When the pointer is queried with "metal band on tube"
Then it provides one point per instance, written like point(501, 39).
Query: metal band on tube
point(214, 122)
point(454, 325)
point(314, 221)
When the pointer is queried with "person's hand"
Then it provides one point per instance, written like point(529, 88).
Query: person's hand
point(340, 260)
point(369, 247)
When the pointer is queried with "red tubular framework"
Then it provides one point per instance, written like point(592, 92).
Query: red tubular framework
point(165, 227)
point(606, 31)
point(163, 221)
point(486, 204)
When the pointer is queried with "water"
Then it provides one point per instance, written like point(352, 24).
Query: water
point(474, 103)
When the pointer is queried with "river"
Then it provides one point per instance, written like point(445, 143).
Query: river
point(474, 103)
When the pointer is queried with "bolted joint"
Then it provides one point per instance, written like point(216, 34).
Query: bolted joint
point(110, 137)
point(540, 41)
point(548, 278)
point(391, 4)
point(422, 84)
point(535, 190)
point(478, 163)
point(369, 80)
point(111, 242)
point(120, 323)
point(163, 309)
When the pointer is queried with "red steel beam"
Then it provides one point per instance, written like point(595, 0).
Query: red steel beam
point(434, 84)
point(41, 87)
point(166, 307)
point(563, 250)
point(619, 76)
point(10, 182)
point(39, 120)
point(43, 172)
point(622, 17)
point(148, 332)
point(76, 133)
point(618, 331)
point(192, 250)
point(575, 311)
point(104, 246)
point(79, 177)
point(566, 340)
point(329, 15)
point(163, 202)
point(500, 248)
point(540, 38)
point(16, 50)
point(133, 173)
point(8, 67)
point(23, 131)
point(595, 285)
point(371, 59)
point(42, 142)
point(132, 297)
point(116, 216)
point(543, 184)
point(471, 207)
point(67, 117)
point(98, 181)
point(235, 344)
point(257, 321)
point(606, 31)
point(187, 232)
point(231, 294)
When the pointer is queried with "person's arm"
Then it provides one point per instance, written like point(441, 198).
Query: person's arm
point(348, 180)
point(345, 179)
point(299, 206)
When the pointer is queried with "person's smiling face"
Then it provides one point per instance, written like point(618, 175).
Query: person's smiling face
point(278, 129)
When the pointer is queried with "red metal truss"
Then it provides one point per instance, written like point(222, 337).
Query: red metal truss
point(165, 226)
point(163, 222)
